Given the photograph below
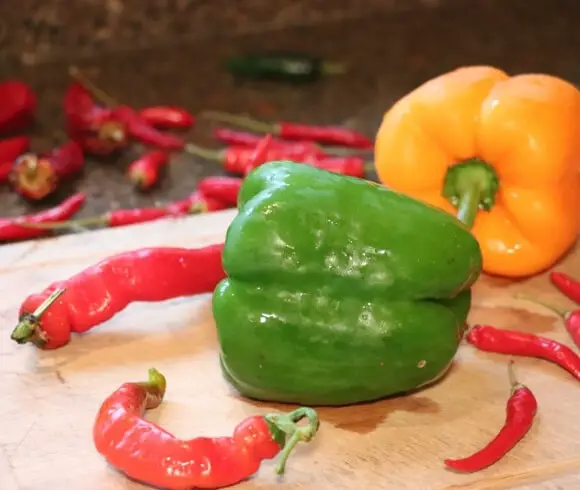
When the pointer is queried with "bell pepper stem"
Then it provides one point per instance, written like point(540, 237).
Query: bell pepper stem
point(468, 206)
point(28, 325)
point(287, 423)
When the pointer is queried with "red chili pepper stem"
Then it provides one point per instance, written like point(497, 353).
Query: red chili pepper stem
point(28, 328)
point(513, 380)
point(155, 386)
point(246, 122)
point(206, 153)
point(287, 424)
point(106, 99)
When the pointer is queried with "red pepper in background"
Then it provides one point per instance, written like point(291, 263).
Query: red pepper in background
point(566, 285)
point(240, 159)
point(571, 318)
point(37, 176)
point(97, 293)
point(332, 135)
point(352, 166)
point(196, 203)
point(93, 127)
point(224, 189)
point(167, 117)
point(521, 410)
point(144, 172)
point(147, 453)
point(10, 150)
point(144, 132)
point(512, 342)
point(18, 105)
point(12, 229)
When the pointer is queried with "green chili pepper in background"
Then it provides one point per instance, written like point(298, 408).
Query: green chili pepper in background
point(339, 290)
point(288, 67)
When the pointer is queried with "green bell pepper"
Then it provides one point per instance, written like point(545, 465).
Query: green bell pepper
point(339, 290)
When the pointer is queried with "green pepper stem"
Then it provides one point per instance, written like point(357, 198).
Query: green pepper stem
point(75, 73)
point(287, 423)
point(469, 205)
point(206, 153)
point(28, 325)
point(239, 120)
point(555, 309)
point(514, 383)
point(155, 386)
point(333, 68)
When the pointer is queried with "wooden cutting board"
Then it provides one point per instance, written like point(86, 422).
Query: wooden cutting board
point(50, 398)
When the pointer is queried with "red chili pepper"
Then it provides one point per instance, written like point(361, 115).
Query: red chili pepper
point(167, 117)
point(18, 105)
point(10, 150)
point(144, 132)
point(571, 318)
point(96, 294)
point(500, 341)
point(225, 189)
point(241, 160)
point(147, 453)
point(333, 135)
point(12, 229)
point(566, 285)
point(37, 176)
point(521, 410)
point(144, 172)
point(93, 127)
point(196, 203)
point(352, 166)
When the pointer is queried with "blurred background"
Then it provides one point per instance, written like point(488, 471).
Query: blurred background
point(174, 52)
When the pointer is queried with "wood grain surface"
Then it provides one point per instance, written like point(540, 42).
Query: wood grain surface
point(51, 398)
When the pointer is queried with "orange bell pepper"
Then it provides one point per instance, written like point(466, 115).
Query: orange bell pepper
point(500, 152)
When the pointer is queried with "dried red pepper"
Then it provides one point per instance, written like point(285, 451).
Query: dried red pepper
point(145, 172)
point(240, 160)
point(332, 135)
point(147, 453)
point(96, 294)
point(512, 342)
point(521, 410)
point(224, 189)
point(571, 318)
point(352, 166)
point(566, 285)
point(196, 203)
point(12, 229)
point(129, 118)
point(93, 127)
point(167, 117)
point(10, 150)
point(37, 176)
point(18, 104)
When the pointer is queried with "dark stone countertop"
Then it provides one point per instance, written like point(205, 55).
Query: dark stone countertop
point(388, 56)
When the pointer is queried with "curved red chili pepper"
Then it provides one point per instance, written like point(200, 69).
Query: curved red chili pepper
point(566, 285)
point(144, 172)
point(167, 117)
point(12, 229)
point(521, 410)
point(224, 189)
point(501, 341)
point(18, 104)
point(97, 293)
point(147, 453)
point(332, 135)
point(144, 132)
